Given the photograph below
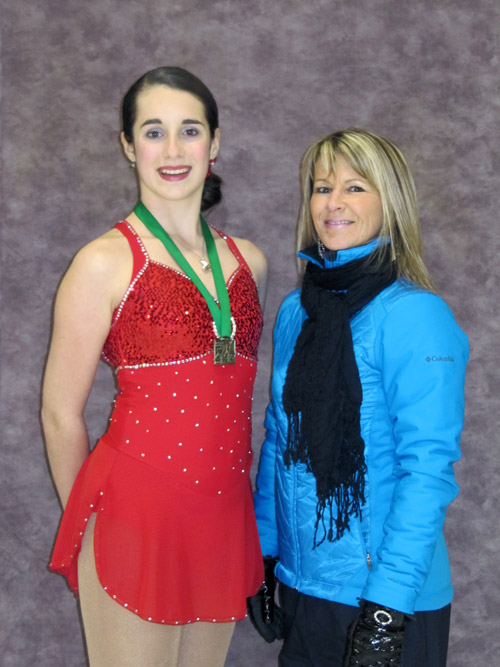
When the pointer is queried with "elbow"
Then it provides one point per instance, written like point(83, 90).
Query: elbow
point(50, 416)
point(57, 419)
point(51, 425)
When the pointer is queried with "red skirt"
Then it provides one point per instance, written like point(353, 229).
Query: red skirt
point(166, 553)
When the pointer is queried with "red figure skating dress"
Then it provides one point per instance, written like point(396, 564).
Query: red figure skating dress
point(175, 534)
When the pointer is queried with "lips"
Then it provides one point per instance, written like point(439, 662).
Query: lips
point(337, 223)
point(175, 173)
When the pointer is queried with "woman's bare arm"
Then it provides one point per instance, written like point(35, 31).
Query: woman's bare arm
point(82, 317)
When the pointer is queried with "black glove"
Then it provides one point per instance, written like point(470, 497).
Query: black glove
point(375, 638)
point(266, 617)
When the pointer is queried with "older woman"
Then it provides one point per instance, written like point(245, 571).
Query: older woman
point(364, 424)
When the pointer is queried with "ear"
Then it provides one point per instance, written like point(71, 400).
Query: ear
point(128, 149)
point(214, 146)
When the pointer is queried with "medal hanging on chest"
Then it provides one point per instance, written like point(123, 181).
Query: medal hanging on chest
point(223, 323)
point(225, 346)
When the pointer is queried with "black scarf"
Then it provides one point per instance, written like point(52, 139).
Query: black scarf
point(322, 393)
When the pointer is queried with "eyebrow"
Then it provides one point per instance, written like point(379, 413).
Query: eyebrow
point(158, 121)
point(349, 180)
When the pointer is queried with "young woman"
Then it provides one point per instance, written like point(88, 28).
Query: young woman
point(364, 423)
point(158, 535)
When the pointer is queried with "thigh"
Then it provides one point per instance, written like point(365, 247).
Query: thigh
point(426, 639)
point(315, 630)
point(293, 652)
point(205, 644)
point(114, 635)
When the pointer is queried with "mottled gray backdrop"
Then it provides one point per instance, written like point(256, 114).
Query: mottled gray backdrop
point(284, 72)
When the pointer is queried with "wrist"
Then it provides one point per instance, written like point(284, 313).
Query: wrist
point(382, 617)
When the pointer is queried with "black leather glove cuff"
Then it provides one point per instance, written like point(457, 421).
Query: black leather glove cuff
point(265, 615)
point(268, 588)
point(382, 617)
point(376, 637)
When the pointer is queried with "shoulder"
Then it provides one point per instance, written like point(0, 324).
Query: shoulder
point(102, 256)
point(406, 312)
point(290, 311)
point(100, 270)
point(403, 298)
point(291, 301)
point(256, 262)
point(253, 256)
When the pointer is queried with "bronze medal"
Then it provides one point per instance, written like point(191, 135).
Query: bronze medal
point(224, 351)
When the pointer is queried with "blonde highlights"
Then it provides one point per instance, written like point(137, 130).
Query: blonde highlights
point(382, 164)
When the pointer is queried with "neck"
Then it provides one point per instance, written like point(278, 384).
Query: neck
point(180, 219)
point(147, 219)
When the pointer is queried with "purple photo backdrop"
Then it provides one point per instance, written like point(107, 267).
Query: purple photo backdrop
point(423, 73)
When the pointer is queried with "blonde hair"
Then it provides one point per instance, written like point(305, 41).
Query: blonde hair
point(382, 164)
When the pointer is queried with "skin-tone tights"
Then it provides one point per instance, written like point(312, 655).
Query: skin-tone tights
point(118, 638)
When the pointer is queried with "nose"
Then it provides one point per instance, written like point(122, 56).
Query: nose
point(335, 200)
point(172, 146)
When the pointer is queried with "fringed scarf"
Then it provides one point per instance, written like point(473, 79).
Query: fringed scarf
point(322, 393)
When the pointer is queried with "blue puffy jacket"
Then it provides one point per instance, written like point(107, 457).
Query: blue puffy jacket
point(411, 357)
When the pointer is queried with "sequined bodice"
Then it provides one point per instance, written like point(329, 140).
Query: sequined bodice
point(163, 319)
point(175, 410)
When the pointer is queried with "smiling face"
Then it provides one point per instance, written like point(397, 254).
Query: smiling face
point(171, 144)
point(345, 208)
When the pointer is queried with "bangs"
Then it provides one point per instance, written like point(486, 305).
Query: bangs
point(328, 153)
point(327, 157)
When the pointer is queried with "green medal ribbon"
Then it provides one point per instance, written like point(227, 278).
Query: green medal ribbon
point(221, 313)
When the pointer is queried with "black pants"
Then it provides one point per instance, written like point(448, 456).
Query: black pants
point(316, 630)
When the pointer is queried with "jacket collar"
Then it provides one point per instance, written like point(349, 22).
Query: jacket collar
point(334, 258)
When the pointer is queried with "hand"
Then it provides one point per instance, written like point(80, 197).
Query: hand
point(375, 638)
point(266, 617)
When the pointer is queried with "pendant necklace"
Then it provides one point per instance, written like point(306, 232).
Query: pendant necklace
point(223, 323)
point(205, 264)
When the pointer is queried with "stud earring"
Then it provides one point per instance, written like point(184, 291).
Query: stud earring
point(131, 164)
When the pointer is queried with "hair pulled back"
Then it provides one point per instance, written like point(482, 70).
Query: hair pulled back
point(179, 79)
